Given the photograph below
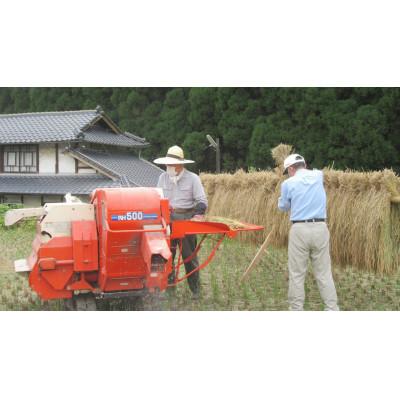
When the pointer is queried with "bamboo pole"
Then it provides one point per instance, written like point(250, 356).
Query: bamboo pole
point(257, 257)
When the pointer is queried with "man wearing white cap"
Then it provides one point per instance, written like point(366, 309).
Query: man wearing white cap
point(304, 195)
point(188, 200)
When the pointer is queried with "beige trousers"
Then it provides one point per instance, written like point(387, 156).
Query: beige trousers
point(310, 240)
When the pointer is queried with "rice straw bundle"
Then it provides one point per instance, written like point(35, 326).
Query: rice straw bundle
point(363, 212)
point(233, 224)
point(279, 153)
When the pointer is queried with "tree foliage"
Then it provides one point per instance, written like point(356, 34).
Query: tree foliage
point(356, 128)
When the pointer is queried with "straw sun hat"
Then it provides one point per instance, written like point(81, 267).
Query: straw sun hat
point(174, 156)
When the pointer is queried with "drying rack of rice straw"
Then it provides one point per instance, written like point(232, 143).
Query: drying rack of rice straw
point(363, 211)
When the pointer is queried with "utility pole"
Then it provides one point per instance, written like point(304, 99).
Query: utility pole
point(218, 156)
point(216, 146)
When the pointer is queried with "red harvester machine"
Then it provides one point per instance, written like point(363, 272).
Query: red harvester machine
point(117, 246)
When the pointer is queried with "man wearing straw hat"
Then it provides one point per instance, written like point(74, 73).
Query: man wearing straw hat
point(188, 201)
point(304, 195)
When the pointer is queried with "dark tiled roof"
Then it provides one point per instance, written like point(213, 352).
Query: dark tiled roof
point(54, 184)
point(64, 126)
point(100, 135)
point(139, 172)
point(44, 127)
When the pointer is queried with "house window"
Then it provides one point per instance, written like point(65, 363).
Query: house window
point(20, 159)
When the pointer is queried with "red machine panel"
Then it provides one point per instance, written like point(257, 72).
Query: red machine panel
point(85, 246)
point(54, 269)
point(129, 208)
point(124, 217)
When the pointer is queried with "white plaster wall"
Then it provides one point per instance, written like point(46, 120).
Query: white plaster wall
point(84, 198)
point(47, 159)
point(86, 171)
point(32, 201)
point(53, 199)
point(66, 163)
point(36, 200)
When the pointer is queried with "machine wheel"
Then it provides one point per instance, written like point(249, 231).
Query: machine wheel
point(81, 302)
point(69, 304)
point(137, 303)
point(85, 302)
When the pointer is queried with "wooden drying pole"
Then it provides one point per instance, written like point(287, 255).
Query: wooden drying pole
point(257, 257)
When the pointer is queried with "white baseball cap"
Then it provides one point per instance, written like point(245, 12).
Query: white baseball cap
point(291, 160)
point(174, 156)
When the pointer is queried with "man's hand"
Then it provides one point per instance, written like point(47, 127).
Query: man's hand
point(197, 218)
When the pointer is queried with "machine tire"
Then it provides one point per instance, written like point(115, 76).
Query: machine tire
point(84, 302)
point(137, 303)
point(69, 304)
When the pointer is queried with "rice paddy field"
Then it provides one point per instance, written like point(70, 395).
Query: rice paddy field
point(266, 288)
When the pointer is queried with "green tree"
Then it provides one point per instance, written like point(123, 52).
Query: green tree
point(350, 127)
